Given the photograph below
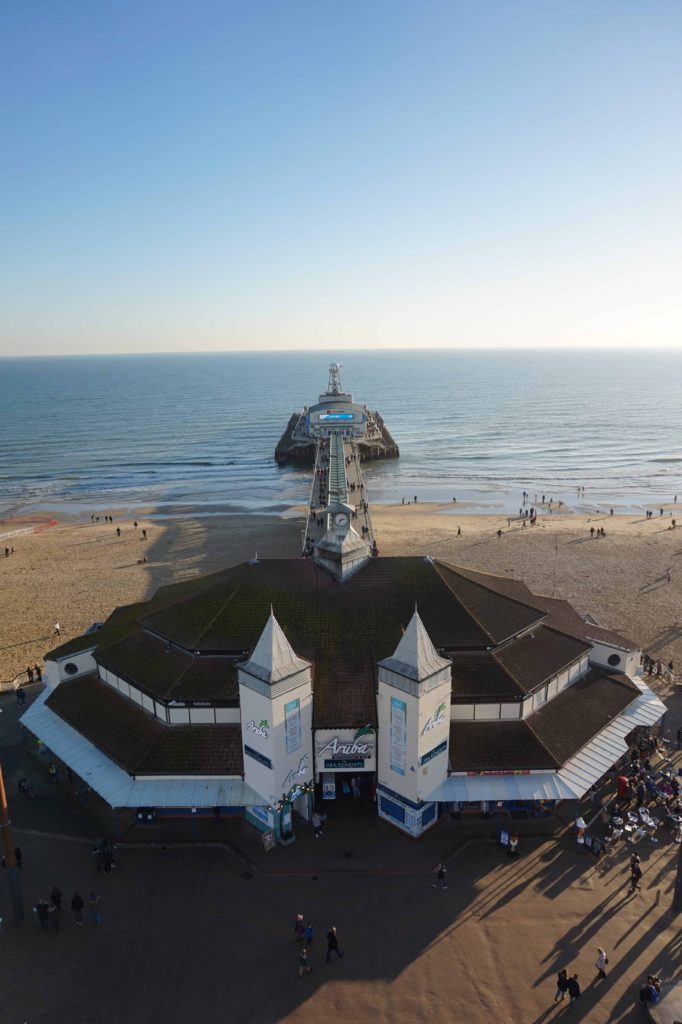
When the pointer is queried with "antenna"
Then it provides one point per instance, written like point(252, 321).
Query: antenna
point(334, 386)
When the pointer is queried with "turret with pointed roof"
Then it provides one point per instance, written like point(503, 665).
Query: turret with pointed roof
point(273, 663)
point(415, 666)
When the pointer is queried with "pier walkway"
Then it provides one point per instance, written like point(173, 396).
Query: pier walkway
point(337, 479)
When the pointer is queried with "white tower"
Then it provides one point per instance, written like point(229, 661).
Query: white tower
point(414, 729)
point(275, 696)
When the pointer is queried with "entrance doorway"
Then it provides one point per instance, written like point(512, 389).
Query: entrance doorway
point(346, 794)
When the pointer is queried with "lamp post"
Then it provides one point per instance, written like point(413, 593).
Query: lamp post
point(10, 860)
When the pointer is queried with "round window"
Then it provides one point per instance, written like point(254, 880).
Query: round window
point(614, 659)
point(71, 668)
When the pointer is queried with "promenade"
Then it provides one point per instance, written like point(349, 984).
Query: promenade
point(207, 930)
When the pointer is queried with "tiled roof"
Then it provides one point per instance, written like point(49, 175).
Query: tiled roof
point(537, 656)
point(565, 724)
point(563, 616)
point(480, 677)
point(140, 743)
point(146, 661)
point(345, 629)
point(548, 738)
point(496, 746)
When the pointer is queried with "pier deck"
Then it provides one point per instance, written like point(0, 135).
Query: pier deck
point(340, 482)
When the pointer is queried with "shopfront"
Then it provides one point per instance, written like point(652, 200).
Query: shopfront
point(345, 763)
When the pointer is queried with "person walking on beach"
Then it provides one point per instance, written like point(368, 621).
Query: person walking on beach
point(561, 985)
point(29, 673)
point(38, 672)
point(118, 531)
point(440, 882)
point(602, 961)
point(57, 629)
point(573, 990)
point(77, 904)
point(669, 574)
point(332, 944)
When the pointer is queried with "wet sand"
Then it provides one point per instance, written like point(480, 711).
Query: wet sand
point(76, 573)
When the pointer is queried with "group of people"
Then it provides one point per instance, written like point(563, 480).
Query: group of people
point(96, 519)
point(598, 532)
point(48, 911)
point(570, 984)
point(34, 673)
point(305, 933)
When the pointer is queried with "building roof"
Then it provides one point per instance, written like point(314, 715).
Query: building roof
point(344, 630)
point(137, 741)
point(415, 656)
point(549, 737)
point(273, 658)
point(171, 673)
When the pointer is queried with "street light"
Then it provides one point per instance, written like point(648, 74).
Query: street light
point(10, 859)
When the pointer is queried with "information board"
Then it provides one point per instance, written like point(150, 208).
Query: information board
point(268, 840)
point(398, 735)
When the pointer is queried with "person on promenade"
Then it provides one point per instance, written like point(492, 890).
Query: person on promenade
point(29, 673)
point(42, 909)
point(309, 934)
point(38, 672)
point(635, 878)
point(299, 928)
point(573, 990)
point(317, 824)
point(602, 961)
point(561, 985)
point(440, 870)
point(303, 965)
point(332, 944)
point(77, 904)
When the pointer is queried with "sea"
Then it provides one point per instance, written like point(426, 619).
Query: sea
point(82, 435)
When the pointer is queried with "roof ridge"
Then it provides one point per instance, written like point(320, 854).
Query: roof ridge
point(505, 597)
point(459, 601)
point(240, 579)
point(508, 673)
point(541, 742)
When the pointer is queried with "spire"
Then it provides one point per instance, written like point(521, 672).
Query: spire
point(273, 657)
point(415, 656)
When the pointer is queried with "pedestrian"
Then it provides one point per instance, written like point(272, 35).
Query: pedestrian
point(355, 787)
point(602, 961)
point(573, 990)
point(459, 531)
point(77, 904)
point(440, 870)
point(332, 944)
point(29, 673)
point(144, 535)
point(669, 574)
point(56, 897)
point(38, 672)
point(303, 965)
point(57, 629)
point(561, 985)
point(309, 934)
point(679, 738)
point(118, 531)
point(18, 856)
point(299, 928)
point(135, 524)
point(42, 909)
point(513, 846)
point(94, 904)
point(317, 824)
point(635, 877)
point(53, 773)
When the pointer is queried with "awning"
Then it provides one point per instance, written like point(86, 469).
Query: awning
point(114, 784)
point(577, 775)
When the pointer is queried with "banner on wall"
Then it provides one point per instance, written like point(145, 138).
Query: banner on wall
point(292, 725)
point(344, 750)
point(398, 735)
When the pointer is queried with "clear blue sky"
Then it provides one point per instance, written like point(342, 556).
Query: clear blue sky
point(209, 175)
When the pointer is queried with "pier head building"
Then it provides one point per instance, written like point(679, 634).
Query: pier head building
point(279, 686)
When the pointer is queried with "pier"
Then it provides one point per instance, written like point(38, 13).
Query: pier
point(337, 485)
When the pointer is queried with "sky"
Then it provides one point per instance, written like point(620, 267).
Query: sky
point(191, 175)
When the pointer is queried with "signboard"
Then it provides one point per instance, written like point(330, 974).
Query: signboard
point(292, 725)
point(398, 735)
point(328, 787)
point(257, 756)
point(335, 417)
point(433, 753)
point(268, 840)
point(342, 750)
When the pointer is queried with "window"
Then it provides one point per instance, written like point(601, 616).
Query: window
point(613, 660)
point(71, 668)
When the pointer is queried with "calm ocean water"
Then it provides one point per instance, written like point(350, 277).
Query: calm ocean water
point(99, 432)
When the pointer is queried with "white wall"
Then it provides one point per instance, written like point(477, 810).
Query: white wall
point(83, 661)
point(628, 660)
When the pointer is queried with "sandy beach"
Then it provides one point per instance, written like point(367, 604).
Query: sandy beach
point(76, 573)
